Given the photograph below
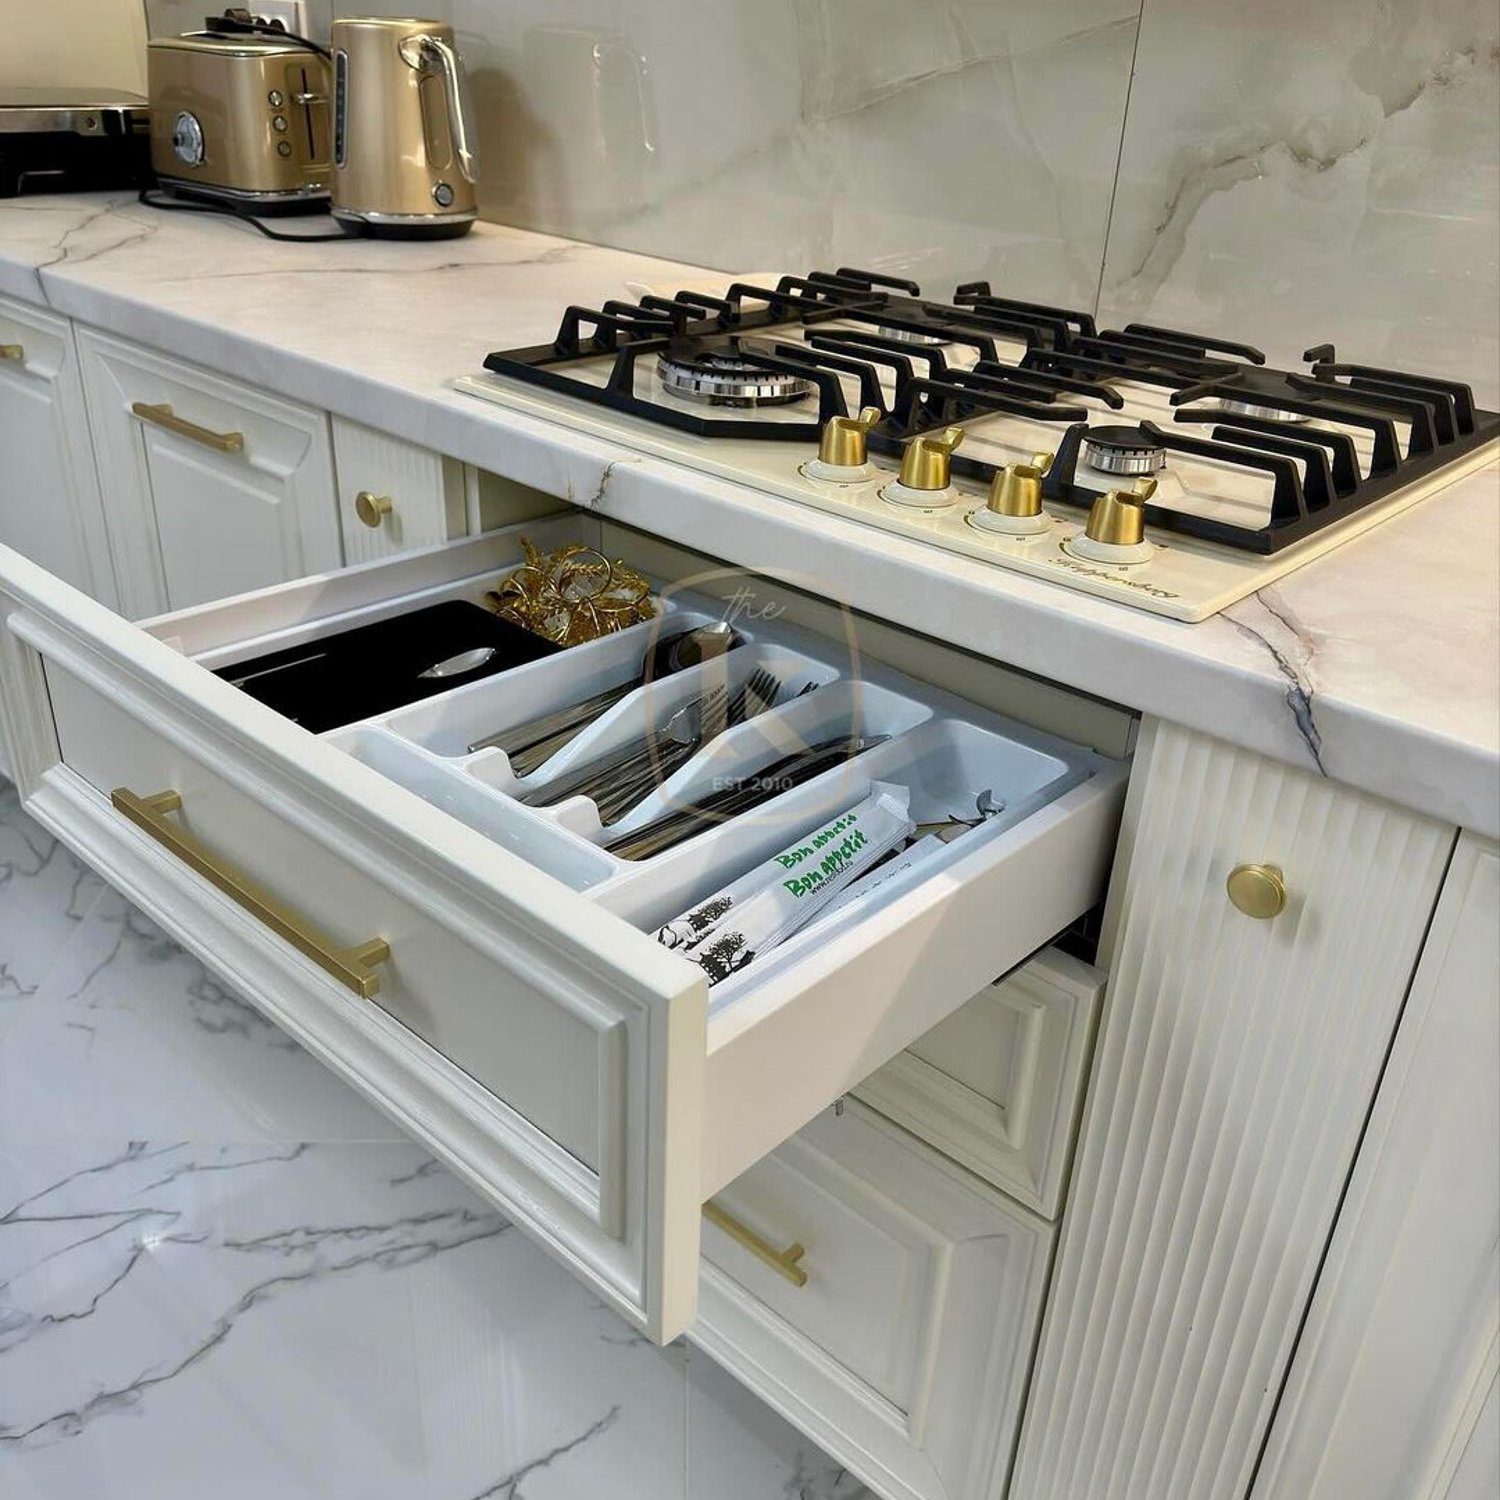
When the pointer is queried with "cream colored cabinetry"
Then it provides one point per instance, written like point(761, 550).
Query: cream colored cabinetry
point(211, 487)
point(904, 1352)
point(1235, 1069)
point(49, 495)
point(1388, 1391)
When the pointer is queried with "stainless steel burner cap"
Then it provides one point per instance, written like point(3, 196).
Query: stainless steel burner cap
point(911, 336)
point(1243, 408)
point(1123, 450)
point(719, 377)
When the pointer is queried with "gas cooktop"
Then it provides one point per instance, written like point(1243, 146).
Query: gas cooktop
point(1171, 471)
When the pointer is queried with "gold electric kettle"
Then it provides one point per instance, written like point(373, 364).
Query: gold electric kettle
point(403, 141)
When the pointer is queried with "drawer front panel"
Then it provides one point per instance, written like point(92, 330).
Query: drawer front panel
point(393, 495)
point(211, 487)
point(905, 1351)
point(556, 1105)
point(49, 492)
point(997, 1086)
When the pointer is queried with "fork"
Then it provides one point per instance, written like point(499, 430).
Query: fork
point(616, 782)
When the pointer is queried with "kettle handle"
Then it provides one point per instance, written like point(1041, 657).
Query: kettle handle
point(426, 48)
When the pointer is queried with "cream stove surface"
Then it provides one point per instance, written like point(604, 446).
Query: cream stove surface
point(1219, 474)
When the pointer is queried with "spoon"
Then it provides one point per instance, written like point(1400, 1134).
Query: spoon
point(456, 666)
point(529, 744)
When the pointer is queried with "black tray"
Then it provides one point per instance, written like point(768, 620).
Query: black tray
point(342, 678)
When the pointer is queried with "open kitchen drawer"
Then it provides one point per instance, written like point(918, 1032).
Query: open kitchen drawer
point(531, 1032)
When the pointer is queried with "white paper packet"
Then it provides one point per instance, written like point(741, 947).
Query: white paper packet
point(766, 905)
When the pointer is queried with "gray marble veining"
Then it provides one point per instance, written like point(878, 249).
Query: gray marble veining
point(221, 1272)
point(330, 326)
point(1283, 173)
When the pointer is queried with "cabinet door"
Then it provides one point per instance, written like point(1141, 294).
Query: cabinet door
point(394, 496)
point(211, 488)
point(903, 1347)
point(1234, 1073)
point(49, 495)
point(1392, 1373)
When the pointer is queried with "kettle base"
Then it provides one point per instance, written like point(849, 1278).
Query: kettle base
point(407, 226)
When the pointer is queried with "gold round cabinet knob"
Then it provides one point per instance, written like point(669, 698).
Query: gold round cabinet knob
point(371, 508)
point(1257, 890)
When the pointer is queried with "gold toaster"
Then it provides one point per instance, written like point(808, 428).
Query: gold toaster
point(240, 119)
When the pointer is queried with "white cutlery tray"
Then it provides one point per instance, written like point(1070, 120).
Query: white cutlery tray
point(946, 751)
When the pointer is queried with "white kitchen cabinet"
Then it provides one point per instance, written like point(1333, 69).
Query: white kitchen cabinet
point(1234, 1072)
point(211, 487)
point(904, 1349)
point(1389, 1386)
point(393, 496)
point(49, 493)
point(997, 1086)
point(548, 1049)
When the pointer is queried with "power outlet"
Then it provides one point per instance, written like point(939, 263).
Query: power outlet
point(290, 14)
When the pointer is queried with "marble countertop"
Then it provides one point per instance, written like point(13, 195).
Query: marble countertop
point(1378, 665)
point(223, 1273)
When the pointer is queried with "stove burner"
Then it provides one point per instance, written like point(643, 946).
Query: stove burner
point(911, 336)
point(719, 377)
point(1245, 408)
point(1123, 450)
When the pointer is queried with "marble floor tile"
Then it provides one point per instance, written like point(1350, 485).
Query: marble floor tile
point(221, 1272)
point(739, 1449)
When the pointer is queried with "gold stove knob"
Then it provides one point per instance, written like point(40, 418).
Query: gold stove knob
point(841, 444)
point(1016, 490)
point(1257, 890)
point(1118, 519)
point(925, 463)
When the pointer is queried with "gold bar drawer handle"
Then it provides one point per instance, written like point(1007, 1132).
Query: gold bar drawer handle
point(163, 416)
point(13, 351)
point(783, 1262)
point(352, 967)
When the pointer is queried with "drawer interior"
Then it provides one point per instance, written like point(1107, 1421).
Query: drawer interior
point(970, 774)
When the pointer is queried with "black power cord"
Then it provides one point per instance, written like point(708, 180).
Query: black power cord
point(228, 210)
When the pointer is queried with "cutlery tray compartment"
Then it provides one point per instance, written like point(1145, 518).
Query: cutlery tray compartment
point(951, 756)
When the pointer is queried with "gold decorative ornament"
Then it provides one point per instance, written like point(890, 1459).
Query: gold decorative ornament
point(572, 595)
point(1257, 890)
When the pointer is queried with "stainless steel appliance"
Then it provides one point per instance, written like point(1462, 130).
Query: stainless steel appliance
point(1169, 471)
point(71, 140)
point(404, 144)
point(242, 119)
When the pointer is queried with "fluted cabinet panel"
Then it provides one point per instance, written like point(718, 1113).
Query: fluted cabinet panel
point(420, 491)
point(1235, 1070)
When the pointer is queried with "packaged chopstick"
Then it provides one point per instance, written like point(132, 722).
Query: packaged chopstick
point(896, 865)
point(768, 904)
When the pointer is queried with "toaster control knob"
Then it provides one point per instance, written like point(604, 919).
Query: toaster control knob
point(187, 139)
point(278, 123)
point(925, 468)
point(1116, 528)
point(1014, 507)
point(842, 449)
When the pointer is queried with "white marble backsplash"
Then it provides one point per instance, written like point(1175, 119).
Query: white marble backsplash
point(1283, 172)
